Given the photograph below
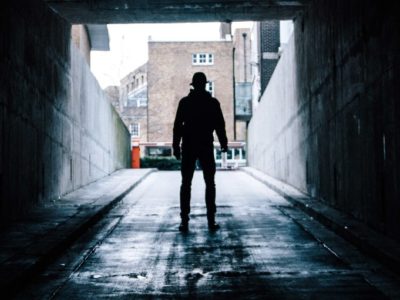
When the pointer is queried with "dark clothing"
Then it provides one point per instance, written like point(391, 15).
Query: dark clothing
point(197, 117)
point(207, 163)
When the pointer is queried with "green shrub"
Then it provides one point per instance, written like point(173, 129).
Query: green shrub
point(161, 163)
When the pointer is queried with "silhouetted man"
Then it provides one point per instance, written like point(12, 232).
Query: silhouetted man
point(197, 117)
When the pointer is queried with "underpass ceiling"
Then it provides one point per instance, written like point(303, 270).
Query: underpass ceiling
point(166, 11)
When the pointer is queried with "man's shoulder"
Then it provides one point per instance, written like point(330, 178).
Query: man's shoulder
point(206, 96)
point(184, 100)
point(214, 101)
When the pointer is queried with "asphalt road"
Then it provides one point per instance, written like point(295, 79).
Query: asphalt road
point(265, 249)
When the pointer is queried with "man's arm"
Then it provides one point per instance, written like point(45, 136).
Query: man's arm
point(177, 132)
point(220, 129)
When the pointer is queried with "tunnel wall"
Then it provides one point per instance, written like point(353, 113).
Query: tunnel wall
point(57, 130)
point(276, 135)
point(329, 121)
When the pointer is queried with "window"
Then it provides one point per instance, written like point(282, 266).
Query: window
point(210, 88)
point(159, 151)
point(210, 58)
point(217, 154)
point(134, 129)
point(237, 153)
point(141, 102)
point(202, 59)
point(229, 154)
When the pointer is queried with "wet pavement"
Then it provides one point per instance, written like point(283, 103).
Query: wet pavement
point(265, 249)
point(28, 245)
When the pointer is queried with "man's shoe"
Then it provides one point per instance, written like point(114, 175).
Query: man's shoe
point(213, 226)
point(184, 227)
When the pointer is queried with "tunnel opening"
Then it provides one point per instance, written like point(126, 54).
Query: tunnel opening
point(144, 79)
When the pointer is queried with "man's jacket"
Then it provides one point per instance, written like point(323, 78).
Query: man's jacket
point(197, 117)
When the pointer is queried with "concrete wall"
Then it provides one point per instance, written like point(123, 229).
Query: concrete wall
point(241, 130)
point(80, 37)
point(57, 130)
point(328, 122)
point(100, 140)
point(276, 133)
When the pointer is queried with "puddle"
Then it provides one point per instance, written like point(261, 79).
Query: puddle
point(195, 275)
point(140, 276)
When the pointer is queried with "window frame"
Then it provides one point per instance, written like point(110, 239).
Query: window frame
point(202, 59)
point(210, 87)
point(141, 102)
point(132, 131)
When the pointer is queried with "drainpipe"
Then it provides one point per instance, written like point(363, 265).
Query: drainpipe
point(244, 34)
point(234, 93)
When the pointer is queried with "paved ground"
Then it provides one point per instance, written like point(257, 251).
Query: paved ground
point(265, 249)
point(29, 244)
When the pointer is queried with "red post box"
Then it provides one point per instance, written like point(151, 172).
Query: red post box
point(135, 161)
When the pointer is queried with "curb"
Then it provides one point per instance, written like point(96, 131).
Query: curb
point(365, 239)
point(11, 288)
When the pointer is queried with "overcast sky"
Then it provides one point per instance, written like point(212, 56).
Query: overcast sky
point(128, 45)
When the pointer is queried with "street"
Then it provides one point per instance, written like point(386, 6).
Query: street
point(265, 249)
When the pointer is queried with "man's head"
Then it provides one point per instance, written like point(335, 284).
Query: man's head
point(199, 81)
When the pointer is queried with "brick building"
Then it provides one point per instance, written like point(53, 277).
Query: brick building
point(269, 50)
point(265, 54)
point(171, 66)
point(133, 103)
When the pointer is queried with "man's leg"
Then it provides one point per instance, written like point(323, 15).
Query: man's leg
point(208, 165)
point(187, 169)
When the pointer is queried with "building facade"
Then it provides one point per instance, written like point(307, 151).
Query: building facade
point(243, 81)
point(133, 103)
point(269, 49)
point(265, 44)
point(171, 66)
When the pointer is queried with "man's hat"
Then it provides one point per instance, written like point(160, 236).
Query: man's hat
point(198, 79)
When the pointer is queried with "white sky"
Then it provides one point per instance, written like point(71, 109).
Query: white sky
point(128, 45)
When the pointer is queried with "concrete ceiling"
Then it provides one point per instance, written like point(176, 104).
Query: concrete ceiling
point(165, 11)
point(99, 38)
